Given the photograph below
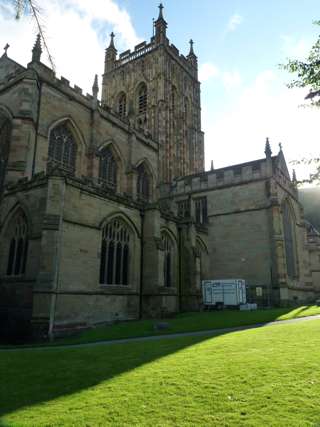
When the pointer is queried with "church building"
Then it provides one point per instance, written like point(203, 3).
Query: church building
point(107, 212)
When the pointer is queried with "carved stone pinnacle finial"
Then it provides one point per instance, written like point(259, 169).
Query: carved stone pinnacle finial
point(112, 36)
point(294, 176)
point(160, 11)
point(6, 49)
point(95, 87)
point(191, 52)
point(267, 150)
point(37, 49)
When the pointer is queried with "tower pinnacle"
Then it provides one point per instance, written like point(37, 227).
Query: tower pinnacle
point(111, 55)
point(111, 45)
point(192, 58)
point(160, 27)
point(37, 49)
point(294, 177)
point(160, 11)
point(95, 87)
point(267, 150)
point(191, 47)
point(6, 49)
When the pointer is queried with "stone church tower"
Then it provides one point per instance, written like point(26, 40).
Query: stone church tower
point(156, 89)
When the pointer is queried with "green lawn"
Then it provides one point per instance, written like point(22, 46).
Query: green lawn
point(266, 376)
point(190, 322)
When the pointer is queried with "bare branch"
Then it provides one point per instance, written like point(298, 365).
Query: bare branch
point(22, 6)
point(35, 12)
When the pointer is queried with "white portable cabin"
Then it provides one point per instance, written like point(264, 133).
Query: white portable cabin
point(227, 292)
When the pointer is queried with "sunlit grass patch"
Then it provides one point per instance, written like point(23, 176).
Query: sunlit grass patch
point(264, 376)
point(190, 322)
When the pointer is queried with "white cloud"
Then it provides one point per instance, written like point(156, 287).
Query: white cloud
point(207, 71)
point(234, 21)
point(295, 48)
point(77, 34)
point(231, 80)
point(264, 108)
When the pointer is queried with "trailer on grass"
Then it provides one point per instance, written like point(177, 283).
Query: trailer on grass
point(224, 293)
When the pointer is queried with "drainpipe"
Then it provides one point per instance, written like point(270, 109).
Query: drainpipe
point(57, 266)
point(141, 264)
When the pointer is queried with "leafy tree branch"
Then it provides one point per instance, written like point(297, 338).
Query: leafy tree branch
point(307, 72)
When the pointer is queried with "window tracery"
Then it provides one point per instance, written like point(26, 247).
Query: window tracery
point(201, 210)
point(108, 169)
point(115, 253)
point(143, 183)
point(167, 259)
point(62, 149)
point(18, 247)
point(289, 240)
point(122, 105)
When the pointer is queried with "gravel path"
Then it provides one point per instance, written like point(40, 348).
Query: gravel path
point(207, 333)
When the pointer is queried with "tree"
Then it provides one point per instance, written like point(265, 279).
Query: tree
point(308, 73)
point(308, 76)
point(31, 7)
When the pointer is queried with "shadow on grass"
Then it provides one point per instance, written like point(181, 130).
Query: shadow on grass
point(184, 322)
point(35, 377)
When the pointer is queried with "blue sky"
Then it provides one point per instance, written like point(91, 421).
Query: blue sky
point(239, 45)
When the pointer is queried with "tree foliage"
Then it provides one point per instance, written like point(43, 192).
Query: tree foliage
point(307, 72)
point(308, 76)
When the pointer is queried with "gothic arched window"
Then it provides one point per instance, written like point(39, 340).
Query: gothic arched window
point(167, 259)
point(5, 131)
point(122, 105)
point(62, 149)
point(289, 240)
point(18, 246)
point(142, 99)
point(115, 253)
point(108, 168)
point(201, 254)
point(143, 183)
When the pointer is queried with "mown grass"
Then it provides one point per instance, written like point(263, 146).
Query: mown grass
point(259, 377)
point(189, 322)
